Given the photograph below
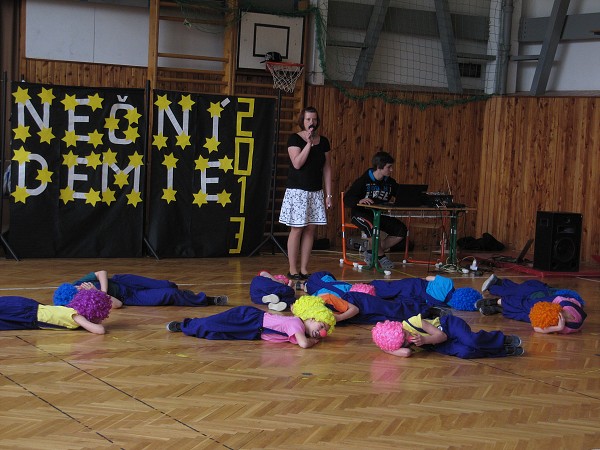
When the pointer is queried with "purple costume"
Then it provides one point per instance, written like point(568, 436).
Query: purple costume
point(408, 288)
point(136, 290)
point(238, 323)
point(518, 299)
point(372, 309)
point(261, 286)
point(464, 343)
point(20, 313)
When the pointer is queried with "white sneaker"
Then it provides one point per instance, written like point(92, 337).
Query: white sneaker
point(271, 298)
point(367, 257)
point(489, 282)
point(385, 263)
point(279, 306)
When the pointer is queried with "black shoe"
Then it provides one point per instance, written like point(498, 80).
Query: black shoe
point(438, 311)
point(295, 276)
point(514, 351)
point(490, 310)
point(174, 327)
point(304, 276)
point(486, 302)
point(512, 340)
point(220, 300)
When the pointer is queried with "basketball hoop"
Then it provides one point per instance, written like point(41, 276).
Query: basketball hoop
point(285, 74)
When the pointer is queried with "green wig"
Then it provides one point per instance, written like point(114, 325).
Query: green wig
point(312, 307)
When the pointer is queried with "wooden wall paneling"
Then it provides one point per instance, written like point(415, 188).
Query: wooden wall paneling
point(591, 218)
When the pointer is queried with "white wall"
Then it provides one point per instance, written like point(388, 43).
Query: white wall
point(576, 64)
point(72, 30)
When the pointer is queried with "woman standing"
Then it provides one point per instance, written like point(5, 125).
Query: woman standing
point(304, 202)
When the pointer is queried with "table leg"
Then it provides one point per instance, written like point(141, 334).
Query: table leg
point(375, 242)
point(453, 257)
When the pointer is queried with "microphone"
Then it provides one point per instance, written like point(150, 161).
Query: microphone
point(312, 129)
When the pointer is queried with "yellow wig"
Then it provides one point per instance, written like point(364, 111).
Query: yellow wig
point(312, 307)
point(544, 314)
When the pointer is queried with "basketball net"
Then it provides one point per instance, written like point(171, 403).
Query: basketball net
point(285, 75)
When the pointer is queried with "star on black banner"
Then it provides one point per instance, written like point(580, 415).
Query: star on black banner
point(77, 171)
point(211, 164)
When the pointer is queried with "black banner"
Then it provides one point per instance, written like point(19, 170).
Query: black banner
point(211, 168)
point(77, 171)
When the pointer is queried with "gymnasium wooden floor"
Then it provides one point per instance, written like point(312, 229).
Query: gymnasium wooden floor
point(141, 387)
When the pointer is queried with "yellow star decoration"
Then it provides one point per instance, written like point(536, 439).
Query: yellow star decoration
point(21, 96)
point(46, 135)
point(46, 96)
point(70, 159)
point(131, 134)
point(169, 195)
point(95, 138)
point(170, 162)
point(183, 140)
point(226, 164)
point(20, 194)
point(212, 145)
point(200, 199)
point(201, 163)
point(133, 115)
point(95, 101)
point(70, 102)
point(134, 198)
point(159, 141)
point(186, 102)
point(111, 123)
point(21, 155)
point(109, 157)
point(22, 132)
point(136, 160)
point(93, 160)
point(44, 176)
point(70, 139)
point(223, 198)
point(215, 109)
point(67, 195)
point(162, 102)
point(108, 196)
point(92, 197)
point(121, 179)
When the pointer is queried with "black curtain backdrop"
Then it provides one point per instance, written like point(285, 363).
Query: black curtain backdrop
point(77, 171)
point(211, 167)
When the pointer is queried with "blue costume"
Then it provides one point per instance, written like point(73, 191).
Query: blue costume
point(261, 286)
point(238, 323)
point(372, 309)
point(463, 342)
point(136, 290)
point(518, 299)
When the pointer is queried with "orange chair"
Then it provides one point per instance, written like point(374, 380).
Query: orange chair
point(344, 227)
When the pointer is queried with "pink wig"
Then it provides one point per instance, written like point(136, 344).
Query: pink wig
point(282, 279)
point(92, 304)
point(388, 335)
point(364, 288)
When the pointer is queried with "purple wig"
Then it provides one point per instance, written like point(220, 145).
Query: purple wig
point(92, 304)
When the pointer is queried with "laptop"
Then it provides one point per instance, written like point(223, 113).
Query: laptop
point(409, 195)
point(519, 259)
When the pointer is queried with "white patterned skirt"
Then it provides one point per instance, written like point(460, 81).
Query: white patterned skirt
point(301, 208)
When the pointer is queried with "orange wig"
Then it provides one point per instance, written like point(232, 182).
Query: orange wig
point(544, 314)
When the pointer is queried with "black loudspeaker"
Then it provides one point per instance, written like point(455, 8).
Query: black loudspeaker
point(557, 241)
